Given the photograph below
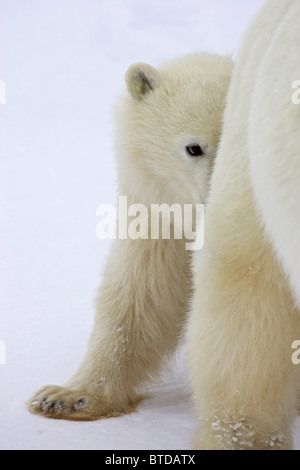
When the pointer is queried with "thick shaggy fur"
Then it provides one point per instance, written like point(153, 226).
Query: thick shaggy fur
point(143, 300)
point(244, 316)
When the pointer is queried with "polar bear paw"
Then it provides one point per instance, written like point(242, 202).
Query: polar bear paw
point(74, 405)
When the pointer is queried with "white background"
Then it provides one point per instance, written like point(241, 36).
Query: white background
point(63, 62)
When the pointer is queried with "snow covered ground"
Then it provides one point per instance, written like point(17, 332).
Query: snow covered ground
point(63, 63)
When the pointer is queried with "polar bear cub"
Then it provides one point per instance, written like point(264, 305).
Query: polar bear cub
point(247, 280)
point(168, 128)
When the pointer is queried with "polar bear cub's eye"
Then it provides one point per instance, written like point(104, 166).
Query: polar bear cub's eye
point(194, 150)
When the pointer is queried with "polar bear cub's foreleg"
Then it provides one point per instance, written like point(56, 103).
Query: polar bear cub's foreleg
point(140, 311)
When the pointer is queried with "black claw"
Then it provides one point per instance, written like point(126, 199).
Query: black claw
point(79, 404)
point(51, 405)
point(44, 403)
point(59, 406)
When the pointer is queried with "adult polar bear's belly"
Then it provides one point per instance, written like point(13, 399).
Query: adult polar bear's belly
point(274, 139)
point(244, 319)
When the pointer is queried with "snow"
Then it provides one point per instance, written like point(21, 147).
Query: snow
point(63, 65)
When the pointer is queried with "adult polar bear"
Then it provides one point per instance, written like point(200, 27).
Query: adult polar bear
point(244, 317)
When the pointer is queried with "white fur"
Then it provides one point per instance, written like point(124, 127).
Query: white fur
point(274, 140)
point(244, 319)
point(143, 300)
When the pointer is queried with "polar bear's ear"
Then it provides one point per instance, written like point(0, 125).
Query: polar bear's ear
point(141, 79)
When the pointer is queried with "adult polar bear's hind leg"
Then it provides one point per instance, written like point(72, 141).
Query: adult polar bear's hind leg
point(244, 318)
point(274, 141)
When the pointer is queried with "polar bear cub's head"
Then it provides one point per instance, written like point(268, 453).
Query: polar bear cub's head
point(169, 126)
